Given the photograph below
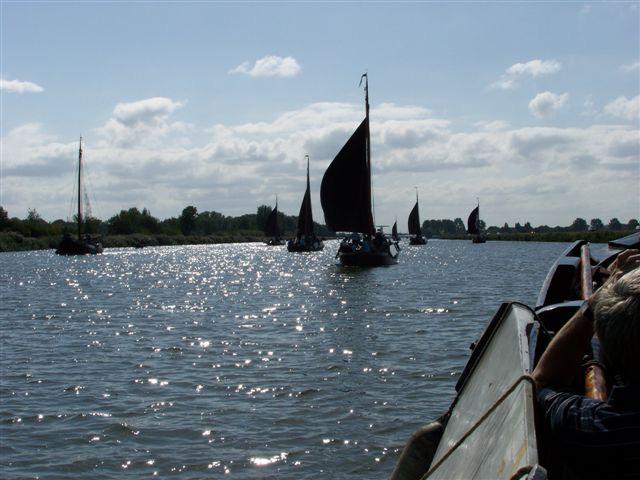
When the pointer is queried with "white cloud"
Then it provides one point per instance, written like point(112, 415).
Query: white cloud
point(535, 68)
point(141, 122)
point(522, 174)
point(494, 126)
point(623, 107)
point(18, 86)
point(143, 110)
point(631, 67)
point(504, 83)
point(270, 66)
point(547, 103)
point(532, 68)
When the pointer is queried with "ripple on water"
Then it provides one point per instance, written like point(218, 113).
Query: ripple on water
point(240, 359)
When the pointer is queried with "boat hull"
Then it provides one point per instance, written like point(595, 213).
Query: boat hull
point(368, 254)
point(417, 241)
point(490, 426)
point(274, 242)
point(72, 246)
point(297, 247)
point(479, 239)
point(367, 259)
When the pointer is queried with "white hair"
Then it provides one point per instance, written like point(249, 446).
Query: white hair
point(617, 324)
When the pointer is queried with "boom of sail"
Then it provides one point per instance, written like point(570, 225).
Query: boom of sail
point(345, 192)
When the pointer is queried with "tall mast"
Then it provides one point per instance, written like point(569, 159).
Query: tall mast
point(478, 220)
point(417, 201)
point(80, 190)
point(307, 171)
point(368, 159)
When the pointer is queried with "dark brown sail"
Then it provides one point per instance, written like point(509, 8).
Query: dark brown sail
point(473, 223)
point(345, 192)
point(271, 228)
point(414, 221)
point(394, 231)
point(305, 217)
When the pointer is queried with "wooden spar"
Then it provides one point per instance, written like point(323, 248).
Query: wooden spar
point(366, 102)
point(586, 280)
point(595, 384)
point(80, 191)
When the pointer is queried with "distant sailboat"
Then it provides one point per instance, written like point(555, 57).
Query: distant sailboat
point(345, 194)
point(473, 225)
point(414, 226)
point(83, 244)
point(306, 240)
point(394, 232)
point(272, 229)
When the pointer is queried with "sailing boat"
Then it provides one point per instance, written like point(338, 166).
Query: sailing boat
point(394, 232)
point(473, 225)
point(272, 229)
point(82, 245)
point(414, 225)
point(306, 240)
point(345, 195)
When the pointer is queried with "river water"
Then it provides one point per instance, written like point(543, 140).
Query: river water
point(239, 360)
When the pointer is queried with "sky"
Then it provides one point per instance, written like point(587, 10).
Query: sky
point(532, 107)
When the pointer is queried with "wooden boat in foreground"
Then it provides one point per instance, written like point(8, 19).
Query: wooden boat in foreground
point(306, 240)
point(82, 244)
point(489, 430)
point(345, 194)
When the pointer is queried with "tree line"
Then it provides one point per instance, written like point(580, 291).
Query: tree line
point(133, 227)
point(448, 228)
point(133, 221)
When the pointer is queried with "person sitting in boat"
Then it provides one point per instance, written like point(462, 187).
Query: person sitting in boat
point(590, 438)
point(346, 246)
point(379, 240)
point(356, 239)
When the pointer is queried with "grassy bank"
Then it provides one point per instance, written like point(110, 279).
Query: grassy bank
point(15, 242)
point(602, 236)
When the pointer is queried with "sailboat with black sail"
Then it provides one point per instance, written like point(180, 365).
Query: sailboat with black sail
point(394, 232)
point(272, 229)
point(473, 225)
point(83, 244)
point(414, 226)
point(345, 195)
point(306, 240)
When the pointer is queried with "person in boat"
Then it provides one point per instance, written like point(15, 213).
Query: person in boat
point(378, 240)
point(590, 438)
point(356, 239)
